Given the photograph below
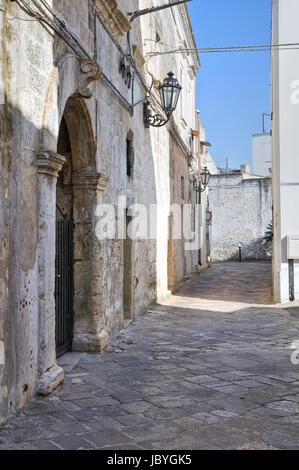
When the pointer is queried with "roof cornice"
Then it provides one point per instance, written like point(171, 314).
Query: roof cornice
point(113, 16)
point(189, 30)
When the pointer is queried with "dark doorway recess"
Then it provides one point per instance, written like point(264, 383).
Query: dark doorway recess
point(64, 292)
point(64, 260)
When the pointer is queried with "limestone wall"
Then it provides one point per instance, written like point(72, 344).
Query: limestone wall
point(44, 78)
point(179, 259)
point(241, 211)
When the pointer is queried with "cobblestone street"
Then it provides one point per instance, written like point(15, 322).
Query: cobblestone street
point(210, 368)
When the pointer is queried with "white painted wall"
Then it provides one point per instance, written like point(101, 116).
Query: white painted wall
point(241, 209)
point(261, 154)
point(209, 162)
point(285, 132)
point(183, 66)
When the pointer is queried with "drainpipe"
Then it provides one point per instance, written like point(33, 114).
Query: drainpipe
point(199, 169)
point(199, 158)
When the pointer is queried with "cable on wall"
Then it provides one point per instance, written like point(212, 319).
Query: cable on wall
point(60, 28)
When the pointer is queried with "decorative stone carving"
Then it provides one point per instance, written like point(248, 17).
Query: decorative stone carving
point(50, 163)
point(90, 178)
point(115, 19)
point(138, 57)
point(89, 72)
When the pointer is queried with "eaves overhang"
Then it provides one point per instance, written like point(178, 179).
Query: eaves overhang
point(191, 38)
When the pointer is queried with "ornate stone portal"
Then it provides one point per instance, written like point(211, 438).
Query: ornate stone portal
point(89, 72)
point(50, 375)
point(89, 334)
point(87, 184)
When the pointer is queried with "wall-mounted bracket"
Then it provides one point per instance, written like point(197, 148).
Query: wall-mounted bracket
point(146, 11)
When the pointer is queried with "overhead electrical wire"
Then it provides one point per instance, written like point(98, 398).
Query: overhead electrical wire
point(201, 50)
point(51, 21)
point(213, 50)
point(12, 18)
point(55, 23)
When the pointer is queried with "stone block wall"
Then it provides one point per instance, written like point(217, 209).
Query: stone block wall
point(45, 78)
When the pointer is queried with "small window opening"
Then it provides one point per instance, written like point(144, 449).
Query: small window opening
point(130, 155)
point(182, 187)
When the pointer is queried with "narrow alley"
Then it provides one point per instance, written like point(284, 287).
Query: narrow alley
point(210, 368)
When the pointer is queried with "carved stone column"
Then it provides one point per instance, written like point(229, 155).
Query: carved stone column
point(50, 374)
point(89, 328)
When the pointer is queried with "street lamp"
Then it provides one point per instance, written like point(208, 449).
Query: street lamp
point(170, 91)
point(205, 178)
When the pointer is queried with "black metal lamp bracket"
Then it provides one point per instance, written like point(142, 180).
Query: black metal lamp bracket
point(138, 13)
point(156, 120)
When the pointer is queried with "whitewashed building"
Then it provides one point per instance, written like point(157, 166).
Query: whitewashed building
point(285, 145)
point(241, 207)
point(262, 154)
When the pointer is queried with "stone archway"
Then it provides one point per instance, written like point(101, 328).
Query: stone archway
point(87, 183)
point(64, 259)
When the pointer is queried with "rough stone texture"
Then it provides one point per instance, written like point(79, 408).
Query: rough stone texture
point(261, 154)
point(50, 380)
point(242, 208)
point(208, 369)
point(45, 84)
point(50, 376)
point(91, 343)
point(179, 260)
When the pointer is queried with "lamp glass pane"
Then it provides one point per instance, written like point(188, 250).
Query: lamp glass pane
point(205, 177)
point(162, 97)
point(176, 95)
point(167, 97)
point(169, 93)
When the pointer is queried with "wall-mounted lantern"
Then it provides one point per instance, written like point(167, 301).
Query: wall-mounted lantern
point(169, 94)
point(205, 178)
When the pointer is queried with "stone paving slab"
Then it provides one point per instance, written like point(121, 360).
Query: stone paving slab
point(209, 368)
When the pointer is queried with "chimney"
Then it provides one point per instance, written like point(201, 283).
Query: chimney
point(245, 169)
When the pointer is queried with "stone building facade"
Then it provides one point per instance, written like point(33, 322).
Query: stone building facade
point(72, 141)
point(241, 207)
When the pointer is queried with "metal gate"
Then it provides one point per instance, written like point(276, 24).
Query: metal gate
point(64, 285)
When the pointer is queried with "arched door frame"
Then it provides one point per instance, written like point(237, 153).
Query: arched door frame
point(66, 94)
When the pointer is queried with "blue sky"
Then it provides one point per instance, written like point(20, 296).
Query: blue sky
point(233, 89)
